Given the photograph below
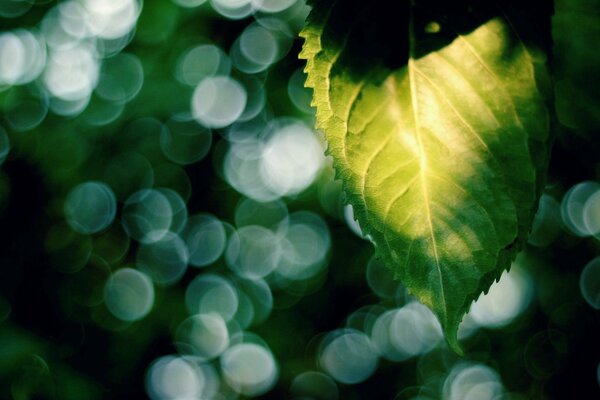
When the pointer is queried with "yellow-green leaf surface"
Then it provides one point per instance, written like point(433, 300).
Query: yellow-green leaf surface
point(438, 130)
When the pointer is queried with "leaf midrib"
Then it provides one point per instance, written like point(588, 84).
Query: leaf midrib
point(422, 158)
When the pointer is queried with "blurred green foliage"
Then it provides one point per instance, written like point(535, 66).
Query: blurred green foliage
point(99, 92)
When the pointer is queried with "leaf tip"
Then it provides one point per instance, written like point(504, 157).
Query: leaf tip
point(453, 342)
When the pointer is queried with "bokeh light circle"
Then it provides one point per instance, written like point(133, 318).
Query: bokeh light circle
point(505, 300)
point(291, 159)
point(415, 330)
point(205, 238)
point(212, 293)
point(202, 61)
point(573, 206)
point(129, 294)
point(172, 377)
point(205, 336)
point(253, 252)
point(249, 368)
point(348, 356)
point(90, 207)
point(147, 215)
point(218, 101)
point(589, 283)
point(472, 382)
point(164, 260)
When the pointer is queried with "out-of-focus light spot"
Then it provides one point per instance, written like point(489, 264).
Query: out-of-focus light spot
point(546, 224)
point(129, 294)
point(205, 238)
point(212, 381)
point(252, 212)
point(572, 207)
point(172, 377)
point(299, 95)
point(253, 252)
point(245, 312)
point(12, 58)
point(14, 8)
point(147, 215)
point(505, 300)
point(241, 169)
point(381, 337)
point(164, 260)
point(211, 293)
point(232, 9)
point(249, 369)
point(54, 28)
point(183, 141)
point(22, 57)
point(472, 382)
point(272, 6)
point(4, 145)
point(204, 335)
point(314, 385)
point(218, 101)
point(589, 283)
point(200, 62)
point(72, 74)
point(292, 159)
point(111, 19)
point(121, 78)
point(25, 108)
point(348, 356)
point(414, 330)
point(288, 22)
point(178, 208)
point(90, 207)
point(591, 214)
point(255, 50)
point(304, 246)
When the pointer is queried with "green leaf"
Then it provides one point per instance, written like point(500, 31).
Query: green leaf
point(438, 130)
